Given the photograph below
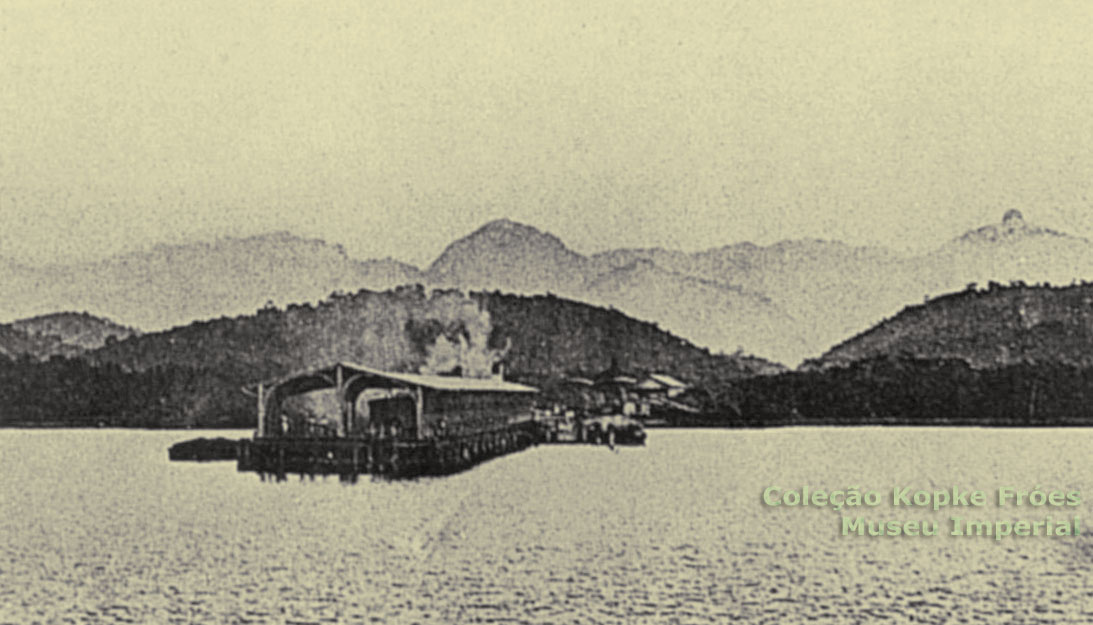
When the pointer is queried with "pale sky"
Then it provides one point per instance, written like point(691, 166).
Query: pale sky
point(394, 127)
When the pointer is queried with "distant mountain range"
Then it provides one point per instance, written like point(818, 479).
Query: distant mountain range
point(788, 301)
point(172, 285)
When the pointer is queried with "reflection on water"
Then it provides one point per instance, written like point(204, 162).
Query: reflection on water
point(98, 527)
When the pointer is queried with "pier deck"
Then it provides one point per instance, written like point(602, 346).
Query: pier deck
point(389, 457)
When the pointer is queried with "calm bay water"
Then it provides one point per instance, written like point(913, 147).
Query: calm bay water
point(98, 527)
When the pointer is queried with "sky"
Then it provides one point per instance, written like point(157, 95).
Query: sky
point(395, 127)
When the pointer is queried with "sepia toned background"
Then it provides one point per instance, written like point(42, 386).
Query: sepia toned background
point(807, 214)
point(394, 127)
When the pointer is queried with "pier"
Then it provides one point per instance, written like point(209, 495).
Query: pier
point(398, 425)
point(387, 423)
point(389, 457)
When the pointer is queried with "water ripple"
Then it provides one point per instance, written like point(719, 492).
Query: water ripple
point(99, 528)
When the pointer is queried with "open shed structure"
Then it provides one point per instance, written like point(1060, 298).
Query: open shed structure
point(390, 422)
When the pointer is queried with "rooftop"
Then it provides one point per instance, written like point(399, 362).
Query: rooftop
point(323, 377)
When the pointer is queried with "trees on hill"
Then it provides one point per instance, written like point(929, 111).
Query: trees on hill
point(191, 376)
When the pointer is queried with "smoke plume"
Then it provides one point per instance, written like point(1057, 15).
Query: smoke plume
point(462, 344)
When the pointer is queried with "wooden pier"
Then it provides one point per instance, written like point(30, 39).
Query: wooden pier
point(398, 425)
point(394, 458)
point(388, 423)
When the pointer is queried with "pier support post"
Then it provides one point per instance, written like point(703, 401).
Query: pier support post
point(261, 411)
point(419, 412)
point(339, 390)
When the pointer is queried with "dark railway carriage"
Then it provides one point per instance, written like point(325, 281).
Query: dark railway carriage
point(388, 422)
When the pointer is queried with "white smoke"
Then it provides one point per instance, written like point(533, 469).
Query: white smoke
point(464, 342)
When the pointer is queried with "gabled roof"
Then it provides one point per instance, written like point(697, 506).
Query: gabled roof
point(323, 377)
point(668, 380)
point(618, 380)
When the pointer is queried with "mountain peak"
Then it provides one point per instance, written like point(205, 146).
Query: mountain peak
point(503, 223)
point(1012, 229)
point(510, 255)
point(502, 229)
point(501, 235)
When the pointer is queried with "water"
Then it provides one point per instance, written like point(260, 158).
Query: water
point(98, 527)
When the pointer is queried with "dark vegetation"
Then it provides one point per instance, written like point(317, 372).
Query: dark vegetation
point(59, 334)
point(76, 392)
point(553, 337)
point(15, 343)
point(993, 327)
point(192, 376)
point(1015, 355)
point(898, 391)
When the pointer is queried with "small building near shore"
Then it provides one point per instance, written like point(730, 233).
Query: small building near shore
point(618, 392)
point(670, 386)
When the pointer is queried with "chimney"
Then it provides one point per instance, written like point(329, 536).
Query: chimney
point(499, 372)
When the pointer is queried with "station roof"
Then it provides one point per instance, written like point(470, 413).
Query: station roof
point(618, 380)
point(323, 377)
point(667, 380)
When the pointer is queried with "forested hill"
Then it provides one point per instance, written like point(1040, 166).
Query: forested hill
point(552, 337)
point(987, 328)
point(58, 334)
point(192, 375)
point(546, 337)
